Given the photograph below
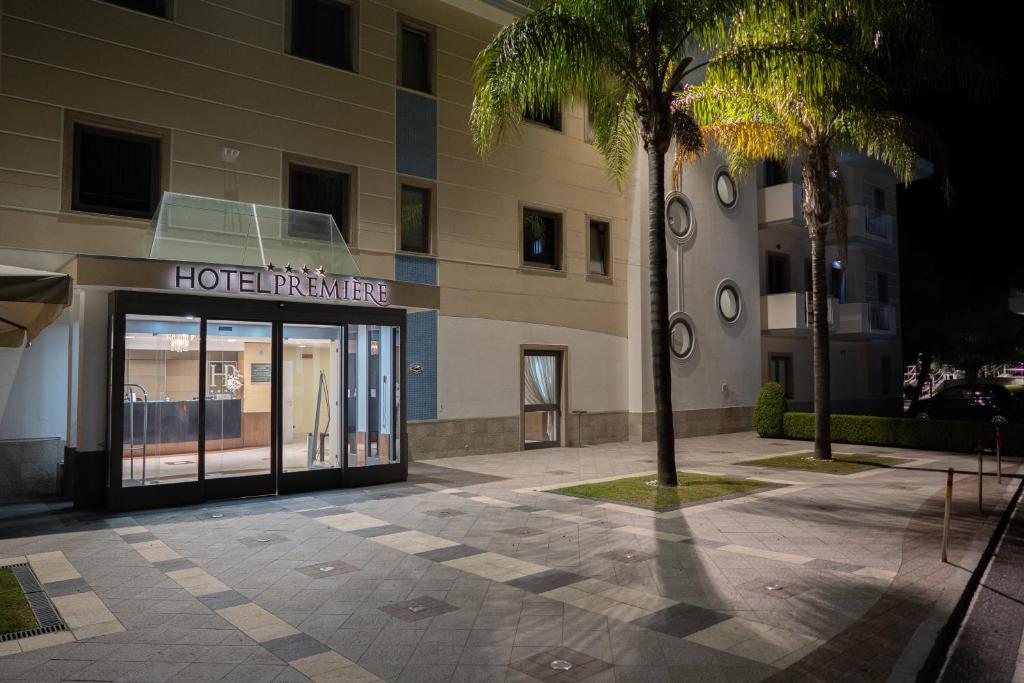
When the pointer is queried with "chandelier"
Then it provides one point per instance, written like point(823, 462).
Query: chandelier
point(181, 342)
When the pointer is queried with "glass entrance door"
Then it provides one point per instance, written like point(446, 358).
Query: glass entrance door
point(542, 399)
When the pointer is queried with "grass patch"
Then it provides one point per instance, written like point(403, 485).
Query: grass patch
point(15, 613)
point(692, 488)
point(841, 463)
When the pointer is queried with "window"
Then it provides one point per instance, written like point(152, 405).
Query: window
point(680, 220)
point(837, 282)
point(777, 277)
point(781, 369)
point(680, 331)
point(158, 8)
point(725, 189)
point(774, 173)
point(320, 191)
point(808, 276)
point(550, 117)
point(598, 262)
point(886, 375)
point(882, 280)
point(542, 237)
point(415, 56)
point(729, 303)
point(879, 197)
point(321, 30)
point(415, 219)
point(115, 172)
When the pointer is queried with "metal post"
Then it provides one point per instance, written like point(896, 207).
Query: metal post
point(980, 477)
point(999, 458)
point(945, 519)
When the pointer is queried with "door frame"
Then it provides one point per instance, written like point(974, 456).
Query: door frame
point(277, 313)
point(562, 352)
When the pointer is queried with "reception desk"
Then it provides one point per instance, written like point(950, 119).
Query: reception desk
point(168, 427)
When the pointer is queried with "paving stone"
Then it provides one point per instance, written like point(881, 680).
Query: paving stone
point(386, 530)
point(581, 666)
point(545, 581)
point(627, 555)
point(450, 553)
point(229, 598)
point(325, 569)
point(174, 565)
point(681, 620)
point(418, 609)
point(261, 540)
point(297, 646)
point(66, 587)
point(521, 531)
point(443, 513)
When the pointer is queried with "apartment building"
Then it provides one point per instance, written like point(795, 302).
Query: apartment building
point(292, 270)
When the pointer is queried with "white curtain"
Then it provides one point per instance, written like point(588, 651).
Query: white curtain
point(540, 380)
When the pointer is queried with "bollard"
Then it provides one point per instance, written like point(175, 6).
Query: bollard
point(945, 519)
point(980, 475)
point(999, 459)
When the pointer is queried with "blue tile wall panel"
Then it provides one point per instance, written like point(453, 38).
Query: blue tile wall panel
point(415, 135)
point(421, 270)
point(421, 392)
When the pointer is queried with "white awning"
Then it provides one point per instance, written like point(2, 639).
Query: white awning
point(29, 301)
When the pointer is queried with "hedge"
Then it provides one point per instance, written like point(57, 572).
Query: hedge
point(769, 409)
point(904, 432)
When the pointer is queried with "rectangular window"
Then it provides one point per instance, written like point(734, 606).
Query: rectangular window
point(542, 236)
point(774, 173)
point(415, 219)
point(115, 172)
point(879, 196)
point(415, 59)
point(781, 369)
point(883, 287)
point(598, 262)
point(322, 31)
point(320, 191)
point(837, 283)
point(158, 8)
point(550, 117)
point(777, 281)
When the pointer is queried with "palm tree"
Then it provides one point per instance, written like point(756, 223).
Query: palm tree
point(806, 79)
point(623, 58)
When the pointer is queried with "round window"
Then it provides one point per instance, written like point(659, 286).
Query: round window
point(728, 303)
point(681, 337)
point(725, 188)
point(679, 219)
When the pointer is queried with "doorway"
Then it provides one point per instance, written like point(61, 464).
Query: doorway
point(542, 413)
point(270, 399)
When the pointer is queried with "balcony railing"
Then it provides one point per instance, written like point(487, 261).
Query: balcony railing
point(779, 205)
point(870, 224)
point(867, 318)
point(791, 311)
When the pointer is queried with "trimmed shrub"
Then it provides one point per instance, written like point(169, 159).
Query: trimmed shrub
point(904, 432)
point(768, 411)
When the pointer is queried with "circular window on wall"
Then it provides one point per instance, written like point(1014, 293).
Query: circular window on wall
point(680, 220)
point(725, 189)
point(680, 332)
point(729, 302)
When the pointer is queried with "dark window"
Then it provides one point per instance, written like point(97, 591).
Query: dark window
point(597, 264)
point(837, 283)
point(319, 191)
point(415, 59)
point(415, 219)
point(157, 8)
point(322, 32)
point(115, 172)
point(879, 199)
point(550, 117)
point(886, 375)
point(774, 173)
point(883, 288)
point(781, 369)
point(808, 276)
point(541, 239)
point(778, 274)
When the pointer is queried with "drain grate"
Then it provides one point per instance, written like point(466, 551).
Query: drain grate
point(44, 611)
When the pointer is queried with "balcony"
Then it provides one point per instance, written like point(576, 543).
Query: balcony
point(867, 224)
point(790, 312)
point(874, 319)
point(779, 205)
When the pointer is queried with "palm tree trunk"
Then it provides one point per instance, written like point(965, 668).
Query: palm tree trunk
point(822, 372)
point(659, 317)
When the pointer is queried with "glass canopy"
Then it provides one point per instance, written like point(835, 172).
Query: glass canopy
point(207, 230)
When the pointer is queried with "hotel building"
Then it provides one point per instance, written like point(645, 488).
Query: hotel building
point(292, 270)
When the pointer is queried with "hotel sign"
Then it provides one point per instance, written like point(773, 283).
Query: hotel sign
point(303, 283)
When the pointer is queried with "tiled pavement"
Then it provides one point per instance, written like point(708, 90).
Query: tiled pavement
point(472, 571)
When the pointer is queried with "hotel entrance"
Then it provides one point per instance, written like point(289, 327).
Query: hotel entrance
point(216, 398)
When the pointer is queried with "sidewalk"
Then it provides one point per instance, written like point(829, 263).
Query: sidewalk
point(470, 571)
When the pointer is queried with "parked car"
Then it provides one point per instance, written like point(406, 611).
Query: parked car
point(972, 402)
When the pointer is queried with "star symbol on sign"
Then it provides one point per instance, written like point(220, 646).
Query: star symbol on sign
point(321, 270)
point(270, 266)
point(288, 268)
point(305, 269)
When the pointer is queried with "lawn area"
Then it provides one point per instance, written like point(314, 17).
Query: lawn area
point(841, 463)
point(636, 490)
point(15, 614)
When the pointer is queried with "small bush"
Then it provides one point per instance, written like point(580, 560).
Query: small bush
point(903, 432)
point(769, 409)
